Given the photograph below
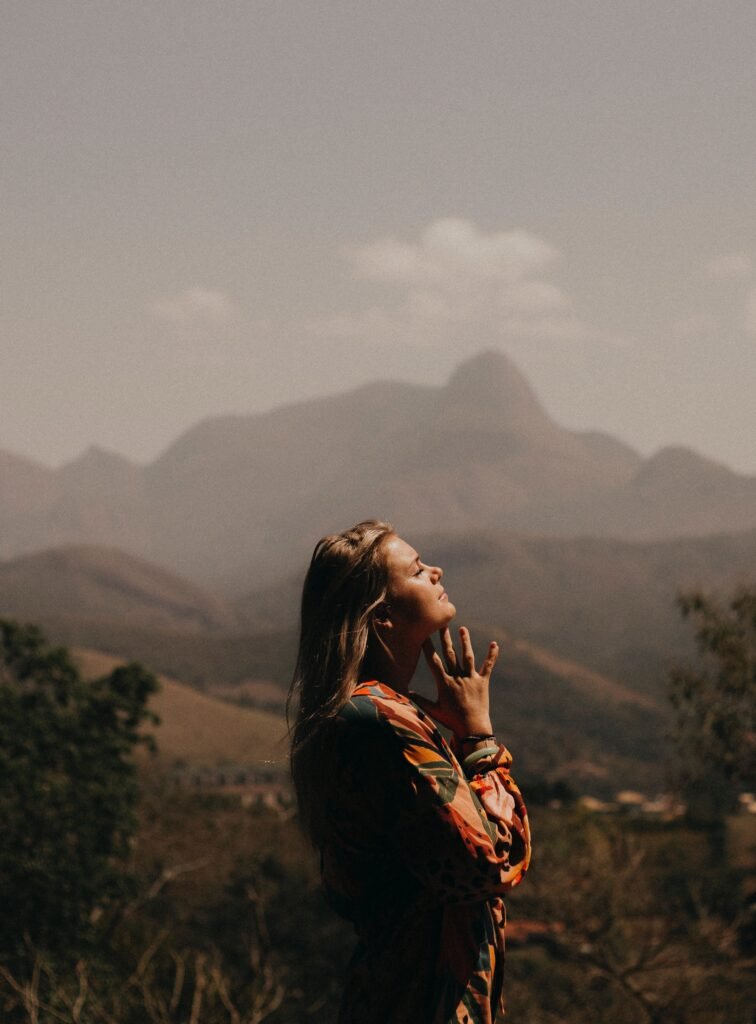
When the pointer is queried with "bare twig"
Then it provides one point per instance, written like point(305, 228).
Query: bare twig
point(178, 982)
point(81, 998)
point(170, 874)
point(222, 989)
point(200, 984)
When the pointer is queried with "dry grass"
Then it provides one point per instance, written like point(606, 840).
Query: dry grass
point(198, 729)
point(593, 684)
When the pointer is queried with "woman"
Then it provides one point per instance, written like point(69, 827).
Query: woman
point(419, 838)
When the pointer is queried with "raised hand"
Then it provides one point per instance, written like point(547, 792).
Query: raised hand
point(462, 701)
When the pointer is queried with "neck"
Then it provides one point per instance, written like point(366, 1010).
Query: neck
point(395, 668)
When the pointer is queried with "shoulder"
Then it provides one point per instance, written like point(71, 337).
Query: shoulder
point(378, 705)
point(375, 701)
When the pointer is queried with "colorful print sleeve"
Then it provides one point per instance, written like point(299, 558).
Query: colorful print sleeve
point(465, 840)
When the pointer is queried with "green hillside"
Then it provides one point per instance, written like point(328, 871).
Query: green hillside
point(199, 731)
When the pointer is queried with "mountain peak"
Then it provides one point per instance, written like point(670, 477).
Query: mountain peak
point(94, 455)
point(677, 463)
point(97, 468)
point(494, 390)
point(96, 460)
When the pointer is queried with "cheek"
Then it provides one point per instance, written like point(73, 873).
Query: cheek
point(416, 610)
point(422, 610)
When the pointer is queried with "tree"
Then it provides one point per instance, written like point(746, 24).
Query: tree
point(639, 926)
point(68, 788)
point(715, 703)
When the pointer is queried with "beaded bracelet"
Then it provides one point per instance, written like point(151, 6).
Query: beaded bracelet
point(478, 755)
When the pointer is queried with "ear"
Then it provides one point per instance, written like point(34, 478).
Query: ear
point(382, 614)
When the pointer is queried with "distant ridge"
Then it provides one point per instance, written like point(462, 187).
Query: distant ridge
point(96, 469)
point(606, 604)
point(550, 703)
point(98, 583)
point(238, 501)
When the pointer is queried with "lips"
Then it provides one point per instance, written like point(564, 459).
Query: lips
point(443, 596)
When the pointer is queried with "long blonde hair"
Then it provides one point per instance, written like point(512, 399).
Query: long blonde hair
point(346, 582)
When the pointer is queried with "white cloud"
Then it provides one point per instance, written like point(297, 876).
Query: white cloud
point(450, 251)
point(195, 305)
point(456, 281)
point(750, 320)
point(734, 266)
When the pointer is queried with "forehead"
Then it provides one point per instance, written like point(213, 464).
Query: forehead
point(399, 554)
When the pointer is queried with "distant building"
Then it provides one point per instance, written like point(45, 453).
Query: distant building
point(591, 803)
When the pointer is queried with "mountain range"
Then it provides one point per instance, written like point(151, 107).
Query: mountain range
point(568, 547)
point(238, 501)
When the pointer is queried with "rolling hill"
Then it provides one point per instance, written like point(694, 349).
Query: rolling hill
point(97, 583)
point(563, 722)
point(199, 731)
point(561, 716)
point(606, 604)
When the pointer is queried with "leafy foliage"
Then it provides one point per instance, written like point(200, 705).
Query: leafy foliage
point(634, 922)
point(642, 924)
point(68, 788)
point(715, 702)
point(219, 917)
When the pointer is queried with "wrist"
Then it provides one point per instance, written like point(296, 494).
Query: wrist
point(476, 741)
point(482, 727)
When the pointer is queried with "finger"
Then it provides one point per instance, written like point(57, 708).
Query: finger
point(491, 659)
point(447, 644)
point(467, 651)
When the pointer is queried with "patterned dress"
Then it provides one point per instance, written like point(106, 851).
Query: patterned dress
point(418, 857)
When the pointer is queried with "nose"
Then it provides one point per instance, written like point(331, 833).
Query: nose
point(437, 571)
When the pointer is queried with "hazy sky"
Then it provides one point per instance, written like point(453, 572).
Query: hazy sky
point(222, 206)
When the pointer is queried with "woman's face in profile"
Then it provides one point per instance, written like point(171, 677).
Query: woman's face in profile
point(418, 603)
